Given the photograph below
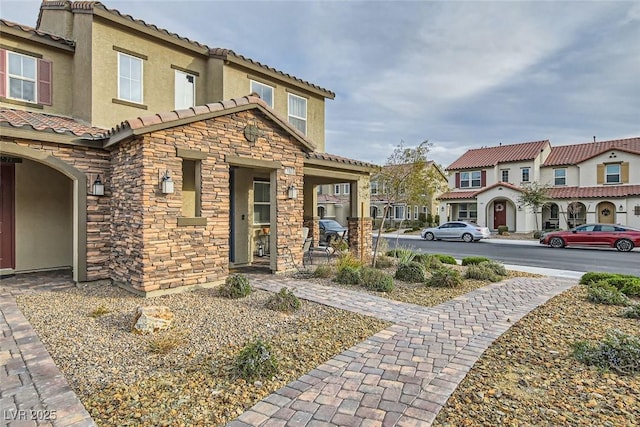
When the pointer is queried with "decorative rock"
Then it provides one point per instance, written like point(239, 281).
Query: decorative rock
point(152, 319)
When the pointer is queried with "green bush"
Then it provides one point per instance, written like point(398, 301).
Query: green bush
point(412, 272)
point(596, 276)
point(445, 277)
point(432, 262)
point(603, 293)
point(348, 260)
point(384, 262)
point(446, 259)
point(255, 361)
point(481, 272)
point(627, 285)
point(284, 301)
point(618, 352)
point(502, 229)
point(496, 267)
point(349, 276)
point(236, 286)
point(632, 312)
point(376, 280)
point(399, 253)
point(537, 234)
point(323, 271)
point(474, 260)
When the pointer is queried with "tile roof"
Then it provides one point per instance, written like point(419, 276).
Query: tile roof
point(30, 30)
point(470, 194)
point(49, 123)
point(215, 52)
point(334, 158)
point(491, 156)
point(594, 192)
point(576, 153)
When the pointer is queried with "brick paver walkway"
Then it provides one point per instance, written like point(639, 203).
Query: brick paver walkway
point(404, 374)
point(32, 389)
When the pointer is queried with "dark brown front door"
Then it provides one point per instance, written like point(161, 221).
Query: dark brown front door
point(7, 216)
point(499, 213)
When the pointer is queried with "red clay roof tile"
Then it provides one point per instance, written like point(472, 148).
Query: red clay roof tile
point(452, 195)
point(491, 156)
point(595, 192)
point(39, 33)
point(576, 153)
point(49, 122)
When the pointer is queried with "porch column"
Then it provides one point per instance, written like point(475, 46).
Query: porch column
point(310, 218)
point(360, 237)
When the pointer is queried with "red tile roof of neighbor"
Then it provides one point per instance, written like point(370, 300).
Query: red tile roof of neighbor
point(49, 123)
point(576, 153)
point(491, 156)
point(595, 192)
point(30, 30)
point(214, 52)
point(470, 194)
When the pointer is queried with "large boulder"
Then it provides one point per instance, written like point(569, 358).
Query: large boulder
point(152, 318)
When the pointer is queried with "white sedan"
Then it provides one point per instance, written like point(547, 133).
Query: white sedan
point(455, 230)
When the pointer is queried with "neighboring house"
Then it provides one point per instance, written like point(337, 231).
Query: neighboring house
point(591, 182)
point(132, 154)
point(334, 201)
point(401, 210)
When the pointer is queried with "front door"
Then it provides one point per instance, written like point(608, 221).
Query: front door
point(7, 216)
point(499, 213)
point(606, 213)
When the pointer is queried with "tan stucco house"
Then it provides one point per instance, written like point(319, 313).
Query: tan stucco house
point(130, 153)
point(591, 182)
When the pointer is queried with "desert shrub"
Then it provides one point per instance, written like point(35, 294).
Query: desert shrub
point(481, 272)
point(618, 352)
point(323, 271)
point(603, 293)
point(349, 276)
point(164, 344)
point(446, 259)
point(474, 260)
point(632, 312)
point(596, 276)
point(445, 277)
point(411, 230)
point(390, 230)
point(502, 229)
point(101, 310)
point(255, 361)
point(496, 267)
point(284, 301)
point(627, 285)
point(376, 280)
point(384, 262)
point(537, 234)
point(399, 252)
point(348, 260)
point(236, 286)
point(431, 262)
point(412, 272)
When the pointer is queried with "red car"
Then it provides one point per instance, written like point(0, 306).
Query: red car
point(620, 237)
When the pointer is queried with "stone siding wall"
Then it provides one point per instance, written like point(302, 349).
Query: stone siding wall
point(355, 234)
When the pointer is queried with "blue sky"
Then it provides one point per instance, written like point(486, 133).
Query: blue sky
point(460, 74)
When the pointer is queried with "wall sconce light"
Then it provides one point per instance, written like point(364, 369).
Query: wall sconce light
point(442, 208)
point(97, 188)
point(292, 192)
point(519, 207)
point(166, 183)
point(620, 207)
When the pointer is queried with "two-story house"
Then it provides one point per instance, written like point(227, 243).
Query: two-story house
point(133, 154)
point(591, 182)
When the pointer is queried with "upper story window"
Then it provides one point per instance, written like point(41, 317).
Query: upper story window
point(346, 188)
point(185, 90)
point(25, 78)
point(470, 179)
point(129, 78)
point(504, 175)
point(560, 177)
point(319, 189)
point(374, 187)
point(336, 189)
point(612, 174)
point(265, 92)
point(298, 112)
point(526, 174)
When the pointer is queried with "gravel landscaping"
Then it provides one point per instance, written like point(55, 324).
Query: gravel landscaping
point(529, 376)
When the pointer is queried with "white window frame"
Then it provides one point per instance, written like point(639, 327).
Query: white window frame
point(528, 172)
point(346, 188)
point(504, 173)
point(259, 88)
point(560, 180)
point(467, 209)
point(415, 212)
point(187, 75)
point(22, 77)
point(261, 203)
point(470, 179)
point(132, 80)
point(398, 209)
point(617, 174)
point(295, 117)
point(374, 188)
point(336, 189)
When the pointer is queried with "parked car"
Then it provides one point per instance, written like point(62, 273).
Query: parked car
point(331, 230)
point(467, 231)
point(620, 237)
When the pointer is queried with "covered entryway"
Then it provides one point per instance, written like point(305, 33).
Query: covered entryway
point(499, 213)
point(606, 213)
point(7, 217)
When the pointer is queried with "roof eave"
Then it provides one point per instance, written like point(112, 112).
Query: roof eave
point(36, 38)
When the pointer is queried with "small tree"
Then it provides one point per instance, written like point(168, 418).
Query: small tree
point(534, 196)
point(404, 177)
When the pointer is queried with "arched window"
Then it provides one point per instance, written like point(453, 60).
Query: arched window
point(321, 211)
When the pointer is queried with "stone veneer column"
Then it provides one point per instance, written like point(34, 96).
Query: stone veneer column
point(360, 230)
point(314, 228)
